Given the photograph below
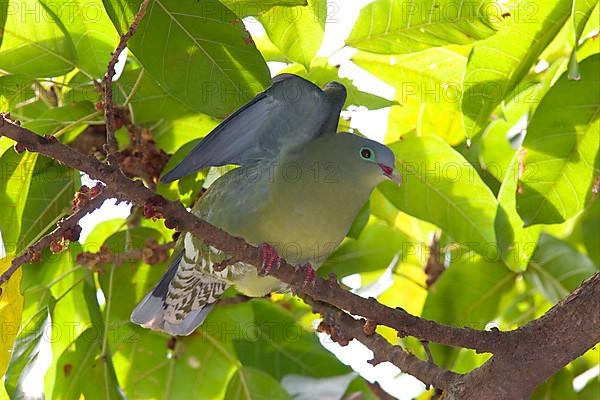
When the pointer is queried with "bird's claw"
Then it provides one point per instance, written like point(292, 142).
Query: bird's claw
point(309, 274)
point(269, 258)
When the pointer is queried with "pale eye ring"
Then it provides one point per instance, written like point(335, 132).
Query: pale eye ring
point(366, 153)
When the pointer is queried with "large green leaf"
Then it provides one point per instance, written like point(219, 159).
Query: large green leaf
point(503, 136)
point(397, 27)
point(148, 100)
point(373, 250)
point(499, 62)
point(251, 384)
point(277, 345)
point(556, 268)
point(561, 145)
point(441, 187)
point(515, 242)
point(149, 365)
point(27, 364)
point(468, 293)
point(244, 8)
point(559, 386)
point(297, 31)
point(15, 89)
point(50, 194)
point(589, 228)
point(50, 121)
point(126, 285)
point(198, 52)
point(36, 43)
point(580, 14)
point(428, 87)
point(15, 180)
point(94, 37)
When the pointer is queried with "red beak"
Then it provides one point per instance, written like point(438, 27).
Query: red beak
point(390, 173)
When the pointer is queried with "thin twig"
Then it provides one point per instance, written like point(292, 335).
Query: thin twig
point(57, 234)
point(109, 110)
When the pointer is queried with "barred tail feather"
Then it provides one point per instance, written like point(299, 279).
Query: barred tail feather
point(157, 310)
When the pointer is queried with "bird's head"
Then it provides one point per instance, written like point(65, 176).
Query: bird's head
point(380, 156)
point(368, 158)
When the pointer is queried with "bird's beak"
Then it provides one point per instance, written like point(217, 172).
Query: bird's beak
point(391, 173)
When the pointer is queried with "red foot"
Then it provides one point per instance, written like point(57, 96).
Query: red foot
point(309, 274)
point(269, 258)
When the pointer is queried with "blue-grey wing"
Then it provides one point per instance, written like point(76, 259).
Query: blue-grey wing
point(290, 113)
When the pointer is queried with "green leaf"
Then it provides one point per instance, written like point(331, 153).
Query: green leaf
point(149, 101)
point(499, 62)
point(297, 31)
point(11, 309)
point(53, 119)
point(580, 14)
point(374, 249)
point(245, 8)
point(93, 35)
point(398, 27)
point(556, 268)
point(589, 227)
point(251, 384)
point(15, 180)
point(468, 293)
point(561, 145)
point(441, 187)
point(503, 136)
point(133, 279)
point(172, 135)
point(427, 88)
point(50, 194)
point(36, 43)
point(15, 89)
point(278, 346)
point(559, 386)
point(3, 13)
point(322, 73)
point(202, 363)
point(26, 364)
point(198, 52)
point(515, 242)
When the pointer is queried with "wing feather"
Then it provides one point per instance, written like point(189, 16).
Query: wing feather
point(292, 112)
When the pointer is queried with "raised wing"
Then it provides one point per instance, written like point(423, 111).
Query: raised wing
point(292, 112)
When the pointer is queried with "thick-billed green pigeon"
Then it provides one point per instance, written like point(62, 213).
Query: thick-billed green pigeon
point(298, 187)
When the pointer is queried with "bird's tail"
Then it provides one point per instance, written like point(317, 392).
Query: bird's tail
point(181, 307)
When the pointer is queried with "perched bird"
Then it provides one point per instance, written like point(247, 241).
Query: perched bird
point(296, 191)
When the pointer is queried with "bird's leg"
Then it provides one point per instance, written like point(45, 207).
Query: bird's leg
point(309, 274)
point(269, 258)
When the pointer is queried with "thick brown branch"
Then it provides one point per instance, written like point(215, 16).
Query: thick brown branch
point(538, 349)
point(109, 108)
point(381, 348)
point(30, 253)
point(322, 290)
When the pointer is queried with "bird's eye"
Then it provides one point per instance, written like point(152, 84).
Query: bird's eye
point(366, 153)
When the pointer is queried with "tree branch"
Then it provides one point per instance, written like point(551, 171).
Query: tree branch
point(336, 320)
point(109, 108)
point(69, 223)
point(539, 349)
